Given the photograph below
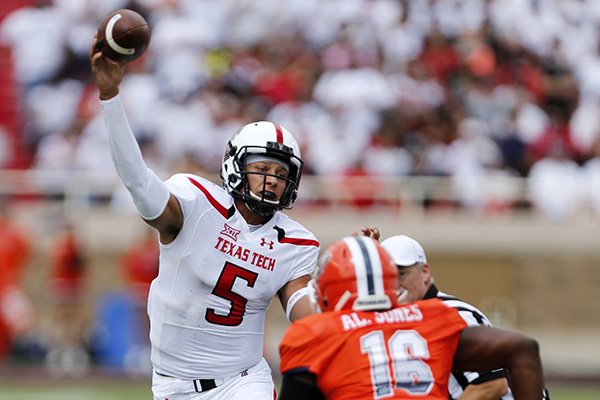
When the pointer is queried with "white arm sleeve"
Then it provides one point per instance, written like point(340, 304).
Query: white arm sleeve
point(149, 193)
point(294, 298)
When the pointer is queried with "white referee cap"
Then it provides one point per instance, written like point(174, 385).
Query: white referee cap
point(405, 251)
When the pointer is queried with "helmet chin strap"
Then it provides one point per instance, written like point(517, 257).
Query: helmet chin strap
point(260, 209)
point(260, 206)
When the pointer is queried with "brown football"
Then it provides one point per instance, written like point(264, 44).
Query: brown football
point(123, 35)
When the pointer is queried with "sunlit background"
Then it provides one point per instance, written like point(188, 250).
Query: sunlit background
point(471, 125)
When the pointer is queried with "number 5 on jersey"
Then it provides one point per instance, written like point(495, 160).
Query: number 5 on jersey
point(223, 289)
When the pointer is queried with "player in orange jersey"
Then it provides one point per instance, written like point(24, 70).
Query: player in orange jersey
point(364, 346)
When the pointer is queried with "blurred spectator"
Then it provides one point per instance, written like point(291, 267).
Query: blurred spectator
point(57, 151)
point(591, 176)
point(557, 132)
point(388, 155)
point(555, 184)
point(359, 187)
point(36, 34)
point(439, 57)
point(17, 315)
point(474, 163)
point(5, 147)
point(417, 92)
point(51, 107)
point(512, 144)
point(402, 39)
point(67, 354)
point(140, 266)
point(585, 127)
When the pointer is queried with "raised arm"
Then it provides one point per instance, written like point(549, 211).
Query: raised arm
point(484, 348)
point(155, 204)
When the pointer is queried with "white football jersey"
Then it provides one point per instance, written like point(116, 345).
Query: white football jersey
point(216, 279)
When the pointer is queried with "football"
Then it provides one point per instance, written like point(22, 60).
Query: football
point(123, 35)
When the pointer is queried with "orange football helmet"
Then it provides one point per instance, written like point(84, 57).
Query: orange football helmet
point(356, 273)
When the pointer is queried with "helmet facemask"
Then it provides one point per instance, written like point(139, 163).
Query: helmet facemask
point(236, 181)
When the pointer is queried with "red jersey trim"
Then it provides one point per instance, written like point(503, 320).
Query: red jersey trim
point(281, 238)
point(225, 212)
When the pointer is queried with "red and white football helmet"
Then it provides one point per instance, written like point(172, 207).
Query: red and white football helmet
point(265, 139)
point(356, 273)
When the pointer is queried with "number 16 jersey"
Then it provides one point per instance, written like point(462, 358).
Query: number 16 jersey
point(402, 353)
point(216, 279)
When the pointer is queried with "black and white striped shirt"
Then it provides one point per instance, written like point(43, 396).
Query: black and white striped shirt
point(473, 317)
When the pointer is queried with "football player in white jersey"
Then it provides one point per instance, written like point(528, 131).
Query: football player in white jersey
point(224, 253)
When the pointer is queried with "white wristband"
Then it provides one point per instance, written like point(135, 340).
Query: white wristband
point(149, 193)
point(294, 298)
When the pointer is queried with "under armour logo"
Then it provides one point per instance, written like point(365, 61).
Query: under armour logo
point(230, 232)
point(244, 373)
point(270, 243)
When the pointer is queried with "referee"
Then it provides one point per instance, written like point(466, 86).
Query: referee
point(416, 283)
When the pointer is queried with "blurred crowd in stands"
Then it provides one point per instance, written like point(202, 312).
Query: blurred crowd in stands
point(476, 90)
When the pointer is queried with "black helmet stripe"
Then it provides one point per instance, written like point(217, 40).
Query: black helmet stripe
point(367, 265)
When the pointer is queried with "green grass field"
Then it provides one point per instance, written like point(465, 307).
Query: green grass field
point(124, 390)
point(574, 392)
point(118, 390)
